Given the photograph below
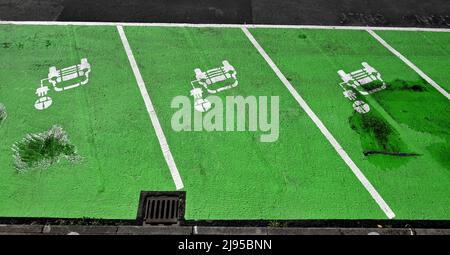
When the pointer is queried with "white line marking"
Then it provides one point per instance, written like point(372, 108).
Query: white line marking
point(62, 23)
point(364, 181)
point(409, 63)
point(151, 112)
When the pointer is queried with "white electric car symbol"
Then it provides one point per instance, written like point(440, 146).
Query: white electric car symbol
point(361, 79)
point(214, 80)
point(217, 79)
point(61, 80)
point(70, 77)
point(365, 81)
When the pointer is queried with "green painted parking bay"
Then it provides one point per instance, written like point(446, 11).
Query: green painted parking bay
point(105, 119)
point(405, 154)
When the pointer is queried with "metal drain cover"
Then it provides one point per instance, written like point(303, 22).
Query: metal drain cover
point(161, 207)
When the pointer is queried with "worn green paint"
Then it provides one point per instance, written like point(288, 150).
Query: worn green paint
point(414, 187)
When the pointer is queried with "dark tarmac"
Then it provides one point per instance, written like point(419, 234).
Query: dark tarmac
point(405, 13)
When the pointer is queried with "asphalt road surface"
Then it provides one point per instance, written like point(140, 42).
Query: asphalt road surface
point(431, 13)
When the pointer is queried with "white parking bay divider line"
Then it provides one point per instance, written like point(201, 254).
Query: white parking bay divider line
point(342, 153)
point(409, 63)
point(151, 112)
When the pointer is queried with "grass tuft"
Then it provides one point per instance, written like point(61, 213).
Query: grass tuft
point(43, 150)
point(3, 114)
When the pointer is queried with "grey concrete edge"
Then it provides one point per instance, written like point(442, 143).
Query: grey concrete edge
point(205, 230)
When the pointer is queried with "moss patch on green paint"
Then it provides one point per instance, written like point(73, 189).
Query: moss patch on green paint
point(375, 133)
point(413, 86)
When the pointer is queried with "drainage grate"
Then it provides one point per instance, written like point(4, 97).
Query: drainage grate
point(161, 207)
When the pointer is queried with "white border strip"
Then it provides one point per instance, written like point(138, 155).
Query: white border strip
point(409, 63)
point(151, 112)
point(364, 181)
point(62, 23)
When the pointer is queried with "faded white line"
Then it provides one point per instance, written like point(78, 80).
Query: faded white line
point(364, 181)
point(151, 112)
point(74, 23)
point(409, 63)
